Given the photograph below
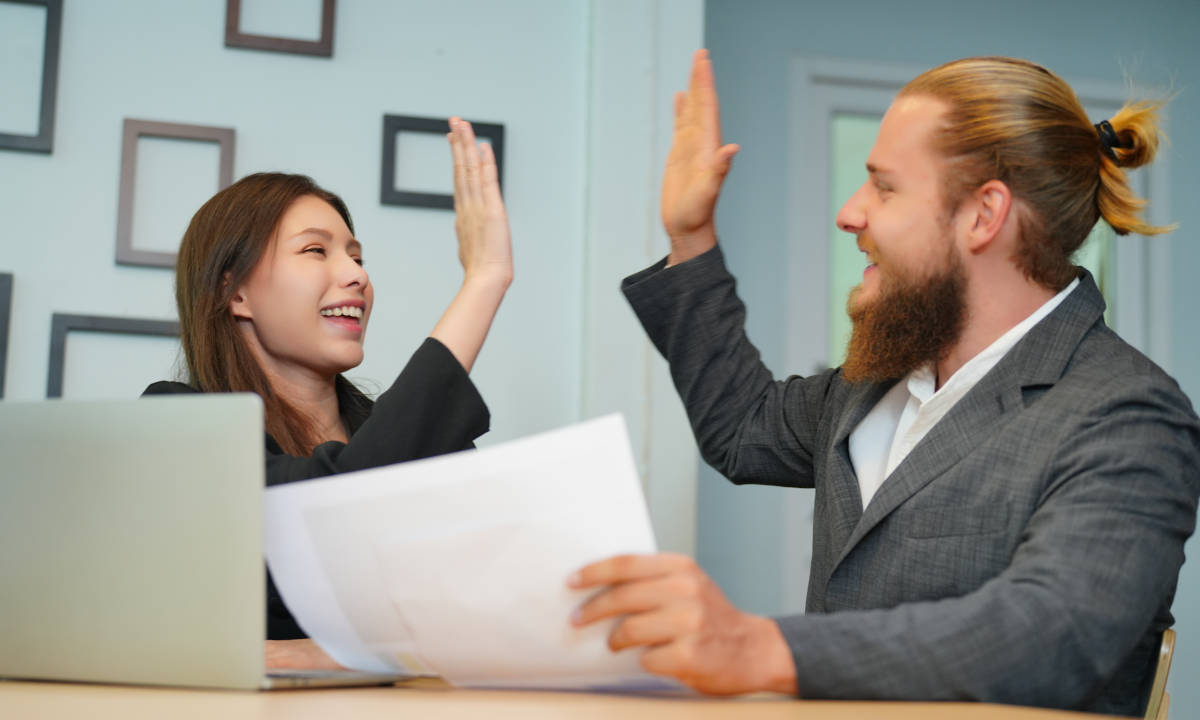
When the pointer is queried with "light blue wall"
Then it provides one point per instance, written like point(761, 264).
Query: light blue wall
point(524, 66)
point(741, 529)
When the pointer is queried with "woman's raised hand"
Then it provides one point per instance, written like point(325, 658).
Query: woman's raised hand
point(484, 246)
point(696, 165)
point(484, 243)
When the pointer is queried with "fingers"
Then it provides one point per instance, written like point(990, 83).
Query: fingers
point(704, 91)
point(637, 596)
point(701, 81)
point(696, 81)
point(460, 167)
point(672, 660)
point(490, 179)
point(470, 158)
point(476, 175)
point(699, 106)
point(625, 568)
point(654, 628)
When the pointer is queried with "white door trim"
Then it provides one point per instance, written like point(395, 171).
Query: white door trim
point(639, 53)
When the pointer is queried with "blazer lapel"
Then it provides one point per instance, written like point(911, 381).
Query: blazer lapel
point(1038, 359)
point(967, 424)
point(844, 497)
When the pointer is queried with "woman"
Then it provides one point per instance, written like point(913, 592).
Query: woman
point(274, 299)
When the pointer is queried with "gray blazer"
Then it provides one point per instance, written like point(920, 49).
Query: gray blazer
point(1026, 551)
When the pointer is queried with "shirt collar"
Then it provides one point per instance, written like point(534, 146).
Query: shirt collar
point(922, 381)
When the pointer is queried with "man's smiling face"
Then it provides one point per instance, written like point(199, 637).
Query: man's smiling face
point(910, 306)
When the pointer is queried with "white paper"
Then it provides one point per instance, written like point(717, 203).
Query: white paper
point(457, 565)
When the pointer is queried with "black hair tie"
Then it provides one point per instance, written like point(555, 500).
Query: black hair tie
point(1108, 139)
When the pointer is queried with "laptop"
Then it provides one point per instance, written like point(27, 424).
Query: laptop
point(131, 544)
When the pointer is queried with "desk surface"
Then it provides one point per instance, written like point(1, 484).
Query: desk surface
point(47, 701)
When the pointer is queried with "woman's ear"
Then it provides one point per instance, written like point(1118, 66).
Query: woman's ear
point(238, 305)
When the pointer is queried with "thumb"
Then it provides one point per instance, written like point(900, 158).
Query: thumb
point(723, 157)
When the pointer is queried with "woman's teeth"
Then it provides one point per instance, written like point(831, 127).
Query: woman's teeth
point(348, 311)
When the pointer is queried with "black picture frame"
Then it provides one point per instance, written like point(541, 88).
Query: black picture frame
point(393, 125)
point(133, 130)
point(62, 323)
point(322, 47)
point(6, 291)
point(43, 141)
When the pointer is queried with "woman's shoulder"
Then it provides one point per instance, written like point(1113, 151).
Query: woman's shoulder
point(168, 387)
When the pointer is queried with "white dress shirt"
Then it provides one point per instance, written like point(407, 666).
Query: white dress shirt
point(912, 407)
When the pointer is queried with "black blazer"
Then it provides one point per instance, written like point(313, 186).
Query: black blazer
point(432, 408)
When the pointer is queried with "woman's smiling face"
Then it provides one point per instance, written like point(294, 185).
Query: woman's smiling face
point(304, 307)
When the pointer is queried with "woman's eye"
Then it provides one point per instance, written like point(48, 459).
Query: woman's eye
point(358, 260)
point(315, 249)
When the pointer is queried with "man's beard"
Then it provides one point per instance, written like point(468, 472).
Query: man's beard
point(911, 323)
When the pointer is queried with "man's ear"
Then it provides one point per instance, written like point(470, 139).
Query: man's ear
point(992, 205)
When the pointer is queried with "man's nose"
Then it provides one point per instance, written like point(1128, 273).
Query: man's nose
point(851, 217)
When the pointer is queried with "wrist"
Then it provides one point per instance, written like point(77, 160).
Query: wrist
point(493, 277)
point(778, 669)
point(687, 245)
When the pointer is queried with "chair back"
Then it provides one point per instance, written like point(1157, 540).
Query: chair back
point(1156, 709)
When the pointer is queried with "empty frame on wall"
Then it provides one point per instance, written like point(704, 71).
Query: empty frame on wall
point(62, 324)
point(322, 47)
point(394, 125)
point(43, 140)
point(6, 286)
point(127, 254)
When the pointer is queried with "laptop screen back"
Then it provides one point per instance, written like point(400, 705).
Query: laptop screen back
point(131, 540)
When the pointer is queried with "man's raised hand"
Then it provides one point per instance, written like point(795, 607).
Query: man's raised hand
point(696, 165)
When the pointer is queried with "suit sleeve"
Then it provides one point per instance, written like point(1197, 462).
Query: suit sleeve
point(432, 408)
point(749, 427)
point(1101, 553)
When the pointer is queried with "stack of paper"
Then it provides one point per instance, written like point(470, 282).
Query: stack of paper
point(457, 565)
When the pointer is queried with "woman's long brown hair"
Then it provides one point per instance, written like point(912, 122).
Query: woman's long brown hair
point(225, 240)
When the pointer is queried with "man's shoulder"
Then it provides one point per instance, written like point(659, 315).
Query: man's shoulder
point(1106, 370)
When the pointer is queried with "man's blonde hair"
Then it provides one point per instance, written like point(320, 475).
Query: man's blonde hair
point(1017, 122)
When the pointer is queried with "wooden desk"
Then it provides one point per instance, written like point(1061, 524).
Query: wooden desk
point(50, 701)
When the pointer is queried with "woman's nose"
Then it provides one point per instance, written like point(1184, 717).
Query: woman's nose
point(351, 272)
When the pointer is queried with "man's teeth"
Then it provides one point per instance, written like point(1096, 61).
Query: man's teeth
point(348, 311)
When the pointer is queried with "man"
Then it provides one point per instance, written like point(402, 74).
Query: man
point(1003, 487)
